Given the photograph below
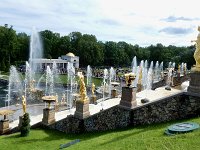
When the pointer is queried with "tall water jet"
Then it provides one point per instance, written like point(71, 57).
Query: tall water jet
point(49, 82)
point(161, 70)
point(150, 77)
point(134, 65)
point(149, 81)
point(170, 65)
point(36, 50)
point(144, 74)
point(156, 72)
point(173, 65)
point(15, 88)
point(71, 81)
point(112, 78)
point(139, 76)
point(89, 76)
point(185, 68)
point(169, 79)
point(104, 84)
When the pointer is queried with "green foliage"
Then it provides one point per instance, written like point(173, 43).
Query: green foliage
point(14, 50)
point(25, 128)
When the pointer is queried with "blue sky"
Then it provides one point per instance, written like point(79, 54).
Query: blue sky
point(143, 22)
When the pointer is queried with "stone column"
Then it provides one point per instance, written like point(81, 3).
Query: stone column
point(20, 122)
point(4, 126)
point(48, 116)
point(113, 93)
point(82, 109)
point(194, 85)
point(93, 99)
point(139, 87)
point(128, 99)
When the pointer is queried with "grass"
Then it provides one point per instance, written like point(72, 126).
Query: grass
point(139, 138)
point(62, 78)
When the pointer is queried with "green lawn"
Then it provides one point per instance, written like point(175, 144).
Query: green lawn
point(61, 78)
point(139, 138)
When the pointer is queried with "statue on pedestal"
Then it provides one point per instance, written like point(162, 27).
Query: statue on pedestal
point(82, 92)
point(129, 77)
point(24, 104)
point(197, 52)
point(93, 88)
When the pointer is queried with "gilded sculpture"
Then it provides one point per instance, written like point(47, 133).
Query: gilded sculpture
point(83, 95)
point(197, 52)
point(24, 104)
point(140, 76)
point(93, 88)
point(129, 77)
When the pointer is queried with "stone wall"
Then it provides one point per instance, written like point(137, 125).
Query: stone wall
point(176, 81)
point(115, 117)
point(176, 107)
point(172, 108)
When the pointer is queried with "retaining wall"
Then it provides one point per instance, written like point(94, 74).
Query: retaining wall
point(178, 106)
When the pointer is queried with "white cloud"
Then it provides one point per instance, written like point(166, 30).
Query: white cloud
point(133, 21)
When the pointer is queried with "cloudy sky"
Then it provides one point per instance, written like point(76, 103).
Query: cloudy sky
point(143, 22)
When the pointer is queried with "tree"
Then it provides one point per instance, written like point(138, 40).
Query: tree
point(8, 44)
point(51, 43)
point(25, 128)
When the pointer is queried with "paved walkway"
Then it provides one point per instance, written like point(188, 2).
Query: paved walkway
point(36, 115)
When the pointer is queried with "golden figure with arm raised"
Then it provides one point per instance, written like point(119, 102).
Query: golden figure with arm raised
point(197, 52)
point(24, 104)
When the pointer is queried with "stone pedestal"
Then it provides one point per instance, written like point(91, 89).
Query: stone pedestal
point(139, 87)
point(128, 99)
point(194, 85)
point(113, 93)
point(48, 116)
point(4, 126)
point(82, 109)
point(93, 99)
point(20, 122)
point(56, 107)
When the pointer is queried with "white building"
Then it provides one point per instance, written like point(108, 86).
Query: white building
point(61, 62)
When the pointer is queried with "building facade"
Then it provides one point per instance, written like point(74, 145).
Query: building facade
point(61, 62)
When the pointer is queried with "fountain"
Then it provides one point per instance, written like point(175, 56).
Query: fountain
point(36, 51)
point(148, 84)
point(161, 70)
point(156, 72)
point(169, 79)
point(104, 86)
point(71, 83)
point(49, 90)
point(139, 77)
point(89, 76)
point(134, 65)
point(15, 89)
point(135, 70)
point(144, 74)
point(112, 78)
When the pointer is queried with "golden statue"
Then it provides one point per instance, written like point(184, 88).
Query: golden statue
point(93, 88)
point(24, 104)
point(83, 95)
point(179, 68)
point(32, 85)
point(197, 52)
point(140, 77)
point(129, 77)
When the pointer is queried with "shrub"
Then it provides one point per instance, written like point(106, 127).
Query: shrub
point(25, 128)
